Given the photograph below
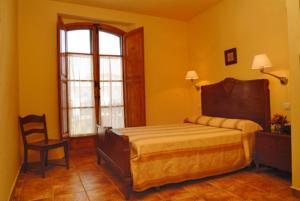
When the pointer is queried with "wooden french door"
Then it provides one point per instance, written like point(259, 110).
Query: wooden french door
point(134, 78)
point(62, 79)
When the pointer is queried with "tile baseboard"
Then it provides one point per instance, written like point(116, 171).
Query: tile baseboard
point(296, 191)
point(12, 192)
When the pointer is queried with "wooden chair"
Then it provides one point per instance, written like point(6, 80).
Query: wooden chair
point(33, 124)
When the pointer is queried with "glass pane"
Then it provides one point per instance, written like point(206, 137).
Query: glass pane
point(111, 68)
point(81, 94)
point(116, 68)
point(118, 117)
point(113, 117)
point(104, 68)
point(106, 117)
point(105, 93)
point(62, 41)
point(117, 93)
point(109, 44)
point(64, 98)
point(79, 41)
point(65, 120)
point(82, 121)
point(80, 67)
point(111, 93)
point(63, 64)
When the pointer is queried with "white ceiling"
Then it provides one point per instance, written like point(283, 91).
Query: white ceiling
point(174, 9)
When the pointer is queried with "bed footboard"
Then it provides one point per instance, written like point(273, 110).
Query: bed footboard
point(113, 148)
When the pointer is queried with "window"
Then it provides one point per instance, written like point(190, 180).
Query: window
point(81, 79)
point(111, 80)
point(80, 82)
point(94, 87)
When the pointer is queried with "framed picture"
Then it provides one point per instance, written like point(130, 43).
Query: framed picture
point(230, 56)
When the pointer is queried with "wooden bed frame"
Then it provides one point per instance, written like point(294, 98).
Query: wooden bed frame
point(229, 98)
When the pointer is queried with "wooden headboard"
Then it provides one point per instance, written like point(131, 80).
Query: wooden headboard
point(232, 98)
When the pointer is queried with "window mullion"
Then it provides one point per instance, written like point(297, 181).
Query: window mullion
point(110, 92)
point(96, 68)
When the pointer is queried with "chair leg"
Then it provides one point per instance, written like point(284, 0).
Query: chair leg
point(43, 158)
point(66, 150)
point(25, 163)
point(46, 158)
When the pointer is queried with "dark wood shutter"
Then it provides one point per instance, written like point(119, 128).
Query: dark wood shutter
point(134, 81)
point(62, 79)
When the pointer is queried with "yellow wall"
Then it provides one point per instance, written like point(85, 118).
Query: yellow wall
point(294, 50)
point(165, 59)
point(253, 27)
point(9, 136)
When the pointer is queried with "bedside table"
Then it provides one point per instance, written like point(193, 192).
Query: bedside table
point(273, 150)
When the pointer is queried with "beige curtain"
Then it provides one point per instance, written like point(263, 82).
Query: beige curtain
point(111, 90)
point(82, 117)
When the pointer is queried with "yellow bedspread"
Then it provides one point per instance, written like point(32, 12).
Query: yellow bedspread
point(174, 153)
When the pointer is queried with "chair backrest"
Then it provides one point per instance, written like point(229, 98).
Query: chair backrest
point(33, 124)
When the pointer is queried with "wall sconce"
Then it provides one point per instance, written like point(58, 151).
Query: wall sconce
point(261, 62)
point(192, 75)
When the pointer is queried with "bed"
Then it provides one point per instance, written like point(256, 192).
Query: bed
point(217, 142)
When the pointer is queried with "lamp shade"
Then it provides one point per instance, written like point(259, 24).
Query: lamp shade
point(191, 75)
point(261, 61)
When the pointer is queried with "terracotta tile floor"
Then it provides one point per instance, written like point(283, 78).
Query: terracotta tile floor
point(86, 181)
